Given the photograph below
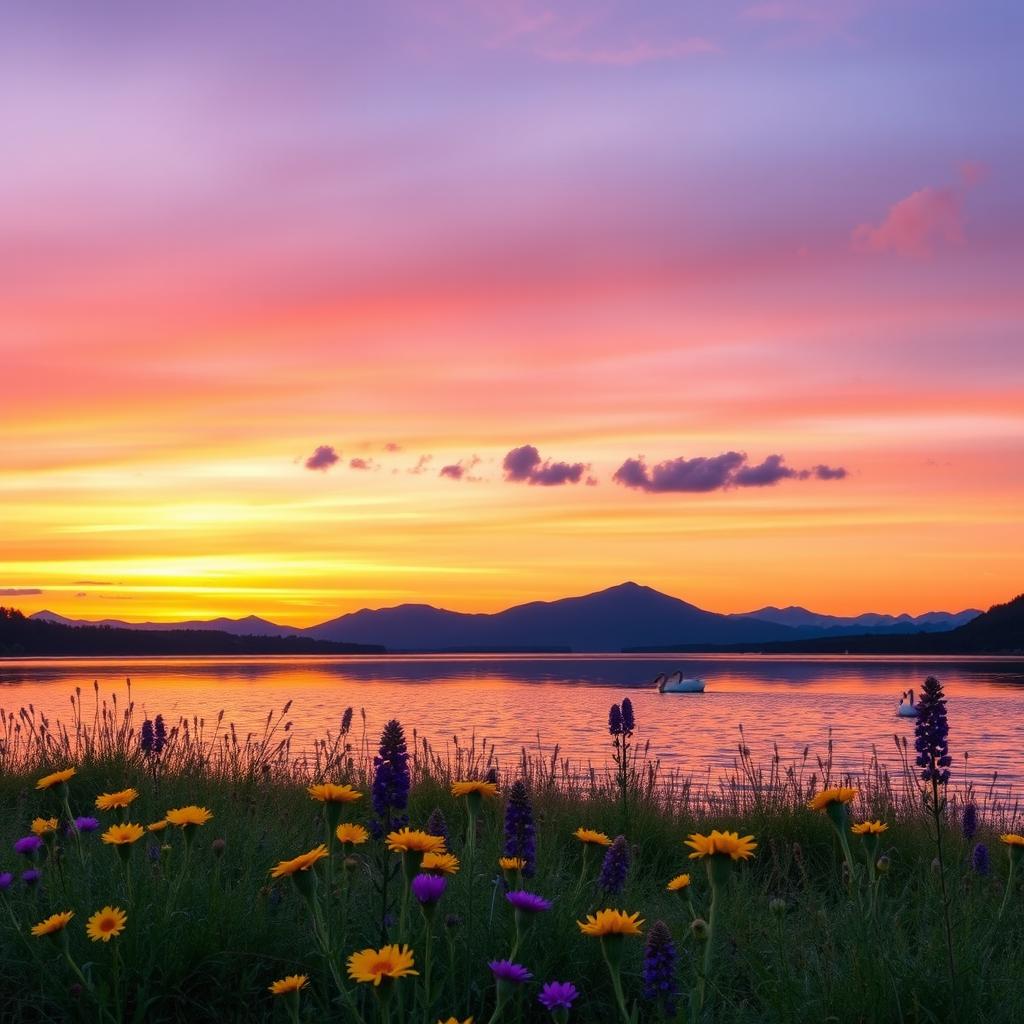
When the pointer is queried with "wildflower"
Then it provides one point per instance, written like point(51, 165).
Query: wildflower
point(590, 837)
point(882, 865)
point(55, 778)
point(628, 721)
point(611, 922)
point(158, 826)
point(54, 924)
point(86, 824)
point(869, 828)
point(291, 983)
point(980, 859)
point(527, 902)
point(353, 835)
point(678, 884)
point(834, 803)
point(511, 863)
point(28, 845)
point(31, 877)
point(188, 817)
point(146, 737)
point(376, 966)
point(520, 832)
point(391, 782)
point(328, 792)
point(869, 831)
point(615, 720)
point(5, 881)
point(302, 863)
point(699, 928)
point(437, 826)
point(159, 734)
point(106, 924)
point(969, 821)
point(659, 970)
point(557, 998)
point(931, 734)
point(721, 844)
point(828, 797)
point(440, 863)
point(506, 971)
point(455, 1020)
point(346, 720)
point(482, 789)
point(122, 798)
point(1014, 843)
point(44, 826)
point(407, 840)
point(122, 835)
point(428, 889)
point(615, 867)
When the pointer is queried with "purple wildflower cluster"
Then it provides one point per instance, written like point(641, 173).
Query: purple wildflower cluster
point(520, 832)
point(659, 970)
point(615, 867)
point(528, 902)
point(979, 859)
point(557, 995)
point(931, 734)
point(508, 972)
point(28, 845)
point(390, 791)
point(437, 825)
point(969, 821)
point(153, 737)
point(428, 889)
point(621, 720)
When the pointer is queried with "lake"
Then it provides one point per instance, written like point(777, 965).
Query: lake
point(538, 701)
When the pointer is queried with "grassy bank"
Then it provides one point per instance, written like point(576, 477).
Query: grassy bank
point(798, 937)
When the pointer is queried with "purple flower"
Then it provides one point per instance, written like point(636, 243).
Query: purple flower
point(557, 995)
point(346, 721)
point(931, 734)
point(969, 821)
point(28, 845)
point(5, 880)
point(146, 737)
point(391, 782)
point(428, 889)
point(438, 826)
point(615, 720)
point(31, 876)
point(520, 833)
point(615, 867)
point(660, 985)
point(979, 859)
point(505, 970)
point(528, 902)
point(628, 721)
point(86, 824)
point(159, 734)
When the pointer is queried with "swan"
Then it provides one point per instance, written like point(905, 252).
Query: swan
point(675, 683)
point(907, 708)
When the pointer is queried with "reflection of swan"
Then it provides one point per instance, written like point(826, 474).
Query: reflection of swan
point(907, 708)
point(675, 683)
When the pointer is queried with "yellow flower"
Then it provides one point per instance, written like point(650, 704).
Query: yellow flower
point(158, 826)
point(588, 835)
point(440, 863)
point(301, 863)
point(329, 793)
point(409, 840)
point(184, 817)
point(44, 826)
point(53, 924)
point(354, 834)
point(122, 798)
point(869, 828)
point(374, 965)
point(455, 1020)
point(722, 843)
point(55, 779)
point(511, 863)
point(610, 922)
point(121, 835)
point(106, 924)
point(292, 983)
point(835, 795)
point(679, 883)
point(489, 789)
point(1012, 839)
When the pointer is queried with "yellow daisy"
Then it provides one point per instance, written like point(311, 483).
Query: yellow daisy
point(409, 840)
point(455, 1020)
point(835, 795)
point(292, 983)
point(374, 965)
point(53, 924)
point(679, 883)
point(185, 817)
point(55, 779)
point(122, 798)
point(723, 844)
point(588, 835)
point(122, 835)
point(869, 828)
point(301, 863)
point(611, 922)
point(106, 924)
point(1011, 839)
point(488, 789)
point(346, 832)
point(329, 793)
point(44, 826)
point(158, 826)
point(511, 863)
point(440, 864)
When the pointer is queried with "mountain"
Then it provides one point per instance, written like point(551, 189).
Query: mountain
point(251, 625)
point(809, 623)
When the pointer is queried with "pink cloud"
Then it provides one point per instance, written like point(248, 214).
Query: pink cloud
point(914, 225)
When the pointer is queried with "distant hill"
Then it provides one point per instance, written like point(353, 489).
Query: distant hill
point(809, 623)
point(41, 637)
point(251, 625)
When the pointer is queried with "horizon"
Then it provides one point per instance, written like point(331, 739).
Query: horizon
point(454, 303)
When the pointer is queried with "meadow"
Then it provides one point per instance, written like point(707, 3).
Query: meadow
point(212, 877)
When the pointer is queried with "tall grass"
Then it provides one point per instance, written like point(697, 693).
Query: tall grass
point(207, 947)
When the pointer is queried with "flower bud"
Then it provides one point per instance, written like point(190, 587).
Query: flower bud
point(218, 846)
point(699, 927)
point(882, 864)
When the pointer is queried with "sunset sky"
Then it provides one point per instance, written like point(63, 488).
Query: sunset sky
point(284, 285)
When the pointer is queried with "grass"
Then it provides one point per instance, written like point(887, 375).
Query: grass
point(205, 944)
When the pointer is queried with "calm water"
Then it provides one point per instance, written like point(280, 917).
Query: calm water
point(509, 700)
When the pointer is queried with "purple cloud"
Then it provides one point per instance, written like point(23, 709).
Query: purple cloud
point(19, 591)
point(361, 464)
point(715, 473)
point(830, 473)
point(769, 472)
point(525, 464)
point(461, 470)
point(323, 458)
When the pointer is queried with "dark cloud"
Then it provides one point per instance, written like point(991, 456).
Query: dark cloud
point(453, 472)
point(461, 470)
point(714, 473)
point(323, 458)
point(525, 464)
point(19, 591)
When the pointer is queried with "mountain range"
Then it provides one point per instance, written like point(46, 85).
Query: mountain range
point(624, 616)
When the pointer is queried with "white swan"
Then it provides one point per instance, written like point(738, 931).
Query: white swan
point(907, 708)
point(675, 683)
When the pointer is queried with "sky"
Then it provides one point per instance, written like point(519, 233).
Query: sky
point(311, 307)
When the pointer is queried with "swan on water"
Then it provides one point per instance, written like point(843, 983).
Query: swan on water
point(674, 682)
point(907, 708)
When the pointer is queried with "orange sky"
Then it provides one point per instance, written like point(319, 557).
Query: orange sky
point(456, 243)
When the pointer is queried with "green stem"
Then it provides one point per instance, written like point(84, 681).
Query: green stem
point(1009, 889)
point(620, 998)
point(427, 953)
